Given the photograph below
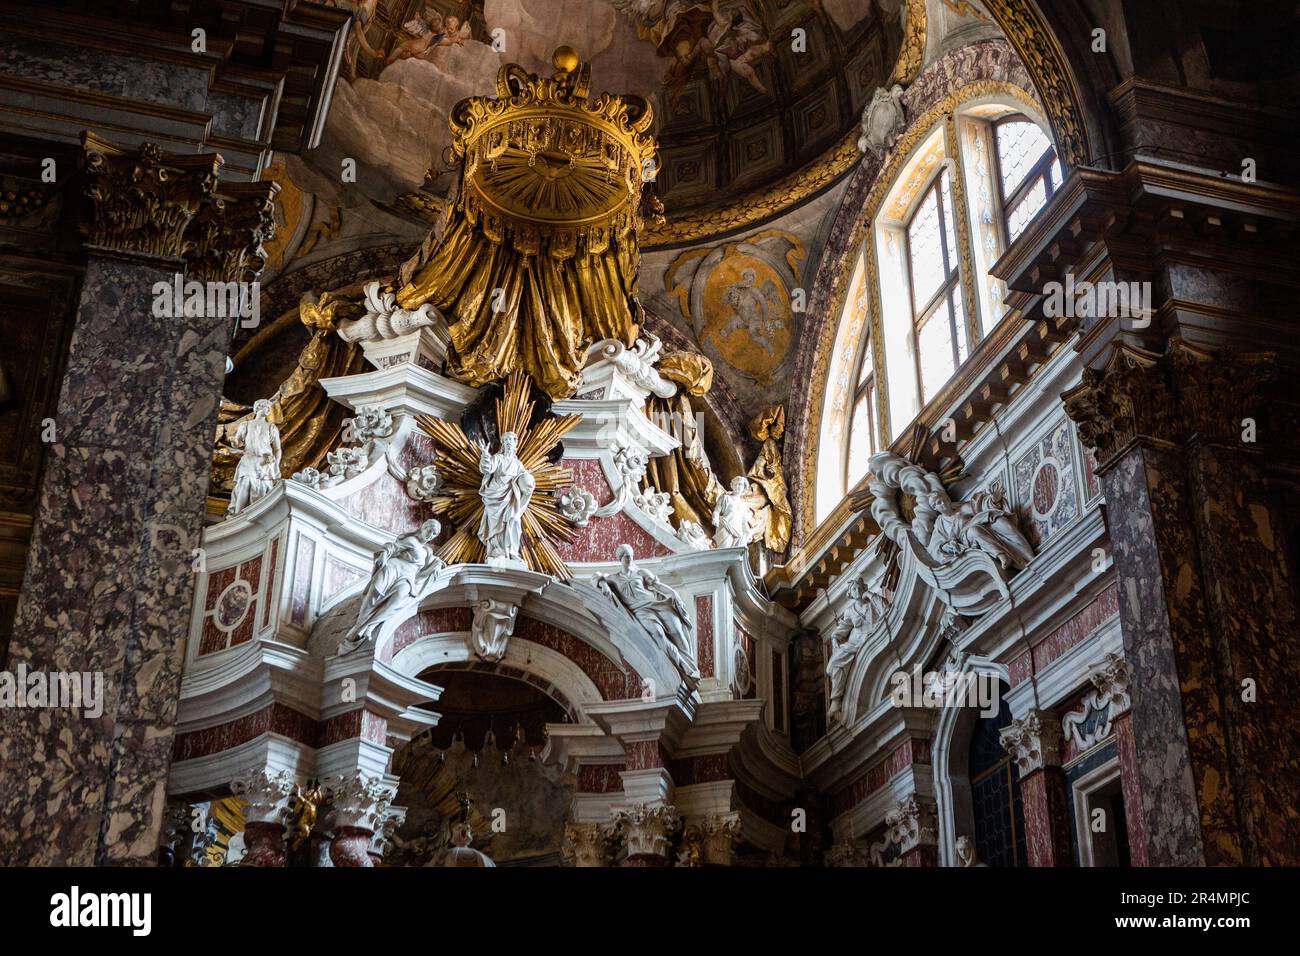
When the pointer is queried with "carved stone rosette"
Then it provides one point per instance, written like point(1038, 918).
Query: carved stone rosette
point(267, 806)
point(646, 833)
point(143, 199)
point(360, 803)
point(588, 844)
point(1034, 742)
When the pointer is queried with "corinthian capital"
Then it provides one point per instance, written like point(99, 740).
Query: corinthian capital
point(267, 793)
point(1033, 742)
point(1129, 398)
point(1217, 391)
point(223, 242)
point(142, 198)
point(646, 829)
point(588, 844)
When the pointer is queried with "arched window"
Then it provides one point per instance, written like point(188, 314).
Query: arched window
point(1028, 171)
point(995, 794)
point(935, 284)
point(862, 430)
point(922, 283)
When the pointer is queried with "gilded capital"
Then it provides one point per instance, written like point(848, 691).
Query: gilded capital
point(142, 198)
point(1218, 391)
point(1128, 399)
point(223, 242)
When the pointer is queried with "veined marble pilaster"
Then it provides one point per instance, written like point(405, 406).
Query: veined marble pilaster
point(1035, 744)
point(108, 585)
point(1206, 600)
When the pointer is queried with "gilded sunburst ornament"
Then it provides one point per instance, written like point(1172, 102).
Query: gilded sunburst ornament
point(457, 460)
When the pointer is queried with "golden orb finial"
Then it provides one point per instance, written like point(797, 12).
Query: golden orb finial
point(565, 59)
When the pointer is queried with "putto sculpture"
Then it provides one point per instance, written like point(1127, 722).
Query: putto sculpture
point(654, 606)
point(506, 489)
point(259, 465)
point(403, 572)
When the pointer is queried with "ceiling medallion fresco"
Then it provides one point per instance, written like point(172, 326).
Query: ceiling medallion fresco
point(739, 299)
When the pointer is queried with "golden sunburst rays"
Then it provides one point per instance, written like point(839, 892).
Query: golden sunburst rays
point(456, 458)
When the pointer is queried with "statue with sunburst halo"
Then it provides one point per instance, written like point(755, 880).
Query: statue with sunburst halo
point(459, 460)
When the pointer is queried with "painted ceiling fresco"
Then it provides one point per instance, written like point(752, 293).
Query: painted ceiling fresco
point(740, 97)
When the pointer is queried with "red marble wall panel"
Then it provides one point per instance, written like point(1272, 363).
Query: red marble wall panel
point(1047, 823)
point(704, 633)
point(613, 682)
point(1131, 786)
point(385, 504)
point(907, 753)
point(268, 599)
point(1072, 632)
point(355, 723)
point(705, 768)
point(338, 577)
point(600, 778)
point(778, 692)
point(601, 537)
point(274, 718)
point(643, 755)
point(443, 620)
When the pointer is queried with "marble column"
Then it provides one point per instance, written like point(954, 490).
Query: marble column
point(647, 833)
point(108, 588)
point(1207, 601)
point(1034, 743)
point(360, 805)
point(266, 794)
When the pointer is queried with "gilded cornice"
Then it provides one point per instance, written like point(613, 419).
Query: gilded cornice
point(1042, 55)
point(911, 56)
point(143, 199)
point(761, 205)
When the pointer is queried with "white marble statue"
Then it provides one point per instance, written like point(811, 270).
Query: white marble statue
point(402, 572)
point(733, 516)
point(506, 489)
point(656, 607)
point(259, 466)
point(494, 623)
point(866, 607)
point(980, 523)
